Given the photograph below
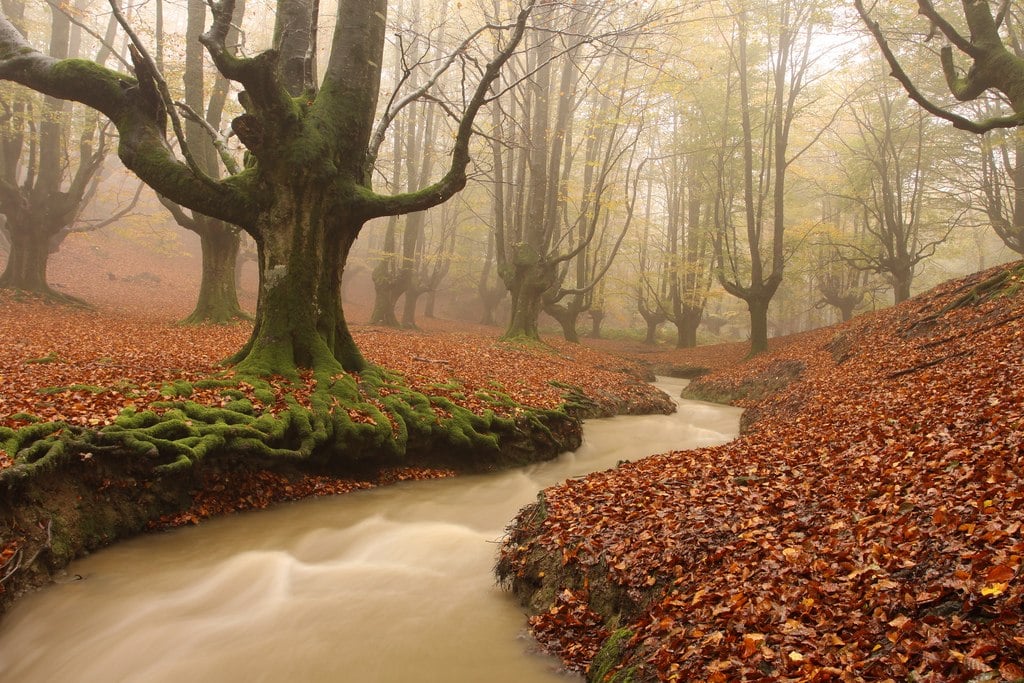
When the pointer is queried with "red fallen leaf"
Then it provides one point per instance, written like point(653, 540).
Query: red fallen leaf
point(751, 644)
point(1000, 572)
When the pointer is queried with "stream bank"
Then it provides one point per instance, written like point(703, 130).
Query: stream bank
point(56, 514)
point(386, 585)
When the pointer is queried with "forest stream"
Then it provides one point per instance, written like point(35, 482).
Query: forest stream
point(389, 585)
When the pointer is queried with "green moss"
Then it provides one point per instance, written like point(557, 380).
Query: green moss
point(242, 405)
point(609, 656)
point(30, 434)
point(265, 396)
point(51, 357)
point(48, 391)
point(25, 417)
point(215, 383)
point(130, 419)
point(178, 388)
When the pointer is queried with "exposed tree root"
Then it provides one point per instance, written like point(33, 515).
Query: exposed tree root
point(1004, 282)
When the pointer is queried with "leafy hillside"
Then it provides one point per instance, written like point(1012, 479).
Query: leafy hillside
point(866, 526)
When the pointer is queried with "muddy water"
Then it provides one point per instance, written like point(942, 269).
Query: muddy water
point(389, 585)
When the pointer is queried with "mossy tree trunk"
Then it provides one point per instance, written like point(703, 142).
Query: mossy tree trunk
point(527, 277)
point(218, 286)
point(300, 322)
point(306, 191)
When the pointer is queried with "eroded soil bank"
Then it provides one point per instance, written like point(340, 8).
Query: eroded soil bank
point(866, 526)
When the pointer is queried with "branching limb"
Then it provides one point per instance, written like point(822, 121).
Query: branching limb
point(229, 161)
point(963, 44)
point(455, 179)
point(900, 75)
point(397, 105)
point(146, 69)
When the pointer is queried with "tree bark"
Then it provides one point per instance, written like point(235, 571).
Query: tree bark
point(686, 326)
point(26, 262)
point(596, 318)
point(758, 307)
point(218, 294)
point(299, 322)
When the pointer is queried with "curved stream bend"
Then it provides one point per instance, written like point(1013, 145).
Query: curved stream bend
point(392, 584)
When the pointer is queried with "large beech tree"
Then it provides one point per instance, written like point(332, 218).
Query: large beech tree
point(306, 190)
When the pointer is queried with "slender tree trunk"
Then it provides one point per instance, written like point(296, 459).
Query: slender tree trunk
point(218, 294)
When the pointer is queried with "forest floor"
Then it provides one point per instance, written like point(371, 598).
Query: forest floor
point(867, 525)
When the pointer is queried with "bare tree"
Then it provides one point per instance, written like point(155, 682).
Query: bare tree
point(890, 178)
point(750, 266)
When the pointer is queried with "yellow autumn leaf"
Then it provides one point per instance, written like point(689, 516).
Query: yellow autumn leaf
point(993, 589)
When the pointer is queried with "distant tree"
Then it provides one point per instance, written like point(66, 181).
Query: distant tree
point(891, 177)
point(219, 241)
point(992, 49)
point(413, 140)
point(1000, 185)
point(591, 238)
point(540, 235)
point(44, 182)
point(652, 281)
point(773, 49)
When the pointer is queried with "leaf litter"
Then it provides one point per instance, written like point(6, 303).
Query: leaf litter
point(868, 525)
